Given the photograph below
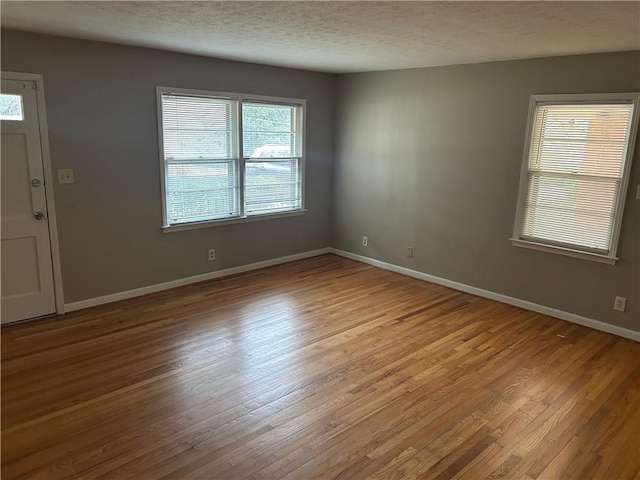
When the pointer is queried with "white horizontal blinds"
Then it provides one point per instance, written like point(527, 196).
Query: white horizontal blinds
point(272, 150)
point(575, 167)
point(201, 157)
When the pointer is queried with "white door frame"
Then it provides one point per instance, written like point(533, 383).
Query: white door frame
point(48, 179)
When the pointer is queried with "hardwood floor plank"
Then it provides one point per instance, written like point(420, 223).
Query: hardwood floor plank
point(320, 368)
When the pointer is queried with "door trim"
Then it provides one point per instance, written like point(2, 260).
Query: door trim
point(48, 179)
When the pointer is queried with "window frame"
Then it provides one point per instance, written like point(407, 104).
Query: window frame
point(577, 99)
point(239, 98)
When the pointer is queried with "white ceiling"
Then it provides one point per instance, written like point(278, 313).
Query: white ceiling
point(344, 36)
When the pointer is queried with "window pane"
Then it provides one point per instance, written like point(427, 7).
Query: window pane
point(581, 139)
point(570, 210)
point(201, 191)
point(198, 127)
point(11, 107)
point(272, 186)
point(200, 154)
point(269, 131)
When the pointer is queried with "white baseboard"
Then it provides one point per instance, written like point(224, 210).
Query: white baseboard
point(114, 297)
point(570, 317)
point(553, 312)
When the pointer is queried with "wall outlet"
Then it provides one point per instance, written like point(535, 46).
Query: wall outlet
point(65, 175)
point(365, 241)
point(212, 254)
point(409, 252)
point(620, 304)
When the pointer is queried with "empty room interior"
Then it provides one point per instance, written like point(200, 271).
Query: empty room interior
point(320, 240)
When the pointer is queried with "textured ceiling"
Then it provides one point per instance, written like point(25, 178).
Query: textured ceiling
point(344, 36)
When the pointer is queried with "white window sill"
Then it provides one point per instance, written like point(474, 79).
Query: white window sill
point(215, 223)
point(594, 257)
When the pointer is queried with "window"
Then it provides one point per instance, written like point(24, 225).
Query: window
point(577, 160)
point(272, 150)
point(229, 157)
point(11, 107)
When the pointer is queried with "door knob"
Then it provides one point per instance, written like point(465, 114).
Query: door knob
point(35, 182)
point(39, 215)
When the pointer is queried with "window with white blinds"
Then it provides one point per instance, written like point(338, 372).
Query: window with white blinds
point(229, 156)
point(576, 167)
point(200, 157)
point(272, 150)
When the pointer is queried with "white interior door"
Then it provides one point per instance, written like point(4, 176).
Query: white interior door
point(27, 275)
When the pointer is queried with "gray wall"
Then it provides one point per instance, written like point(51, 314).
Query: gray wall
point(431, 158)
point(428, 158)
point(101, 109)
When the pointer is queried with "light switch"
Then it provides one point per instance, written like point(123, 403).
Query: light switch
point(65, 175)
point(638, 193)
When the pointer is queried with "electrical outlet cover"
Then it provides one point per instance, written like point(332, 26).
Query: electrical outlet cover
point(65, 175)
point(620, 304)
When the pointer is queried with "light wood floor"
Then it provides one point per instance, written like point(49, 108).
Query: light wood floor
point(322, 368)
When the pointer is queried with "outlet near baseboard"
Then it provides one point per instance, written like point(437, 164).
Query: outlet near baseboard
point(620, 304)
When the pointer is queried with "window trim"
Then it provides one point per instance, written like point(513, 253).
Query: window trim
point(239, 98)
point(591, 98)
